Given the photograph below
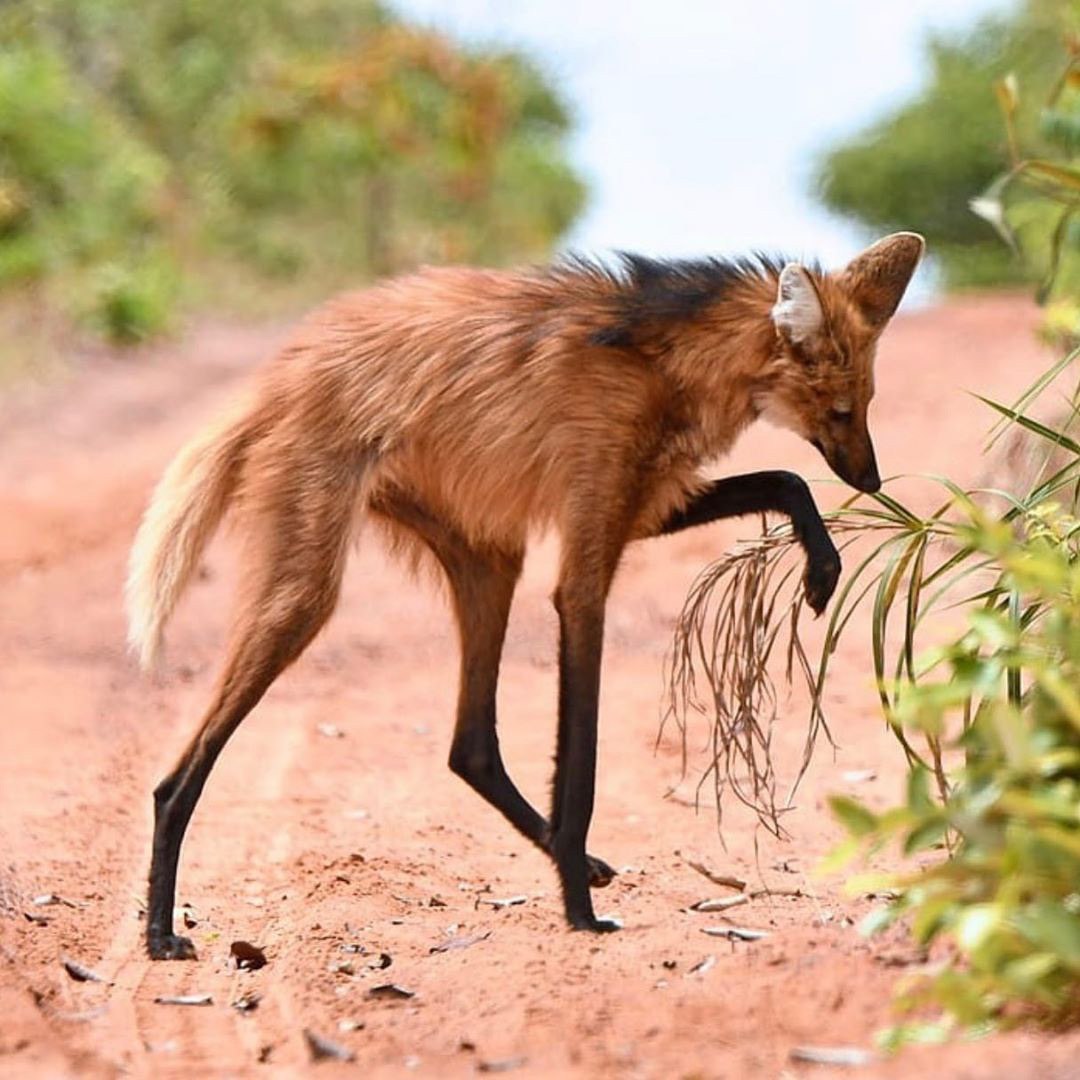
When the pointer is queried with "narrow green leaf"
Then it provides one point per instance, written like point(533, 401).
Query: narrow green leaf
point(1034, 390)
point(1059, 438)
point(1060, 174)
point(856, 818)
point(930, 833)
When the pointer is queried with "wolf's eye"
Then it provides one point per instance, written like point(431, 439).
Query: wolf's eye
point(841, 414)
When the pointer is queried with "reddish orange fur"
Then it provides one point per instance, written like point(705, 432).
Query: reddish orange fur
point(480, 395)
point(462, 409)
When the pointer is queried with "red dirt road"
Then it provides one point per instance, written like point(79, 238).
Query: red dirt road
point(306, 843)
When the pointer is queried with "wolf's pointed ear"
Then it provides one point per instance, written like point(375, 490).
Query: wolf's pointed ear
point(876, 279)
point(797, 312)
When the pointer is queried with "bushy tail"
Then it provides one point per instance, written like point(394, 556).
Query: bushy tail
point(183, 515)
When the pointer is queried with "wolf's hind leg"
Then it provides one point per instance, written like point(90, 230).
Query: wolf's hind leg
point(294, 576)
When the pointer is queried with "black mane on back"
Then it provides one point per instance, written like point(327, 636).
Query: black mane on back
point(651, 292)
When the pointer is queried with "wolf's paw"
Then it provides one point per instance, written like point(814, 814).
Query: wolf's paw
point(170, 947)
point(595, 925)
point(819, 581)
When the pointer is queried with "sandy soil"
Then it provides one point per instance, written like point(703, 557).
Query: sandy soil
point(311, 845)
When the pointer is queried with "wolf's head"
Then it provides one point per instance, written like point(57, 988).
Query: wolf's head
point(827, 328)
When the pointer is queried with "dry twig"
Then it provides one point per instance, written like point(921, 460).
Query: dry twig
point(719, 667)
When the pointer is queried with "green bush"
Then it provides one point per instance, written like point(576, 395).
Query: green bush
point(1006, 696)
point(990, 722)
point(1034, 204)
point(78, 187)
point(997, 708)
point(328, 139)
point(129, 303)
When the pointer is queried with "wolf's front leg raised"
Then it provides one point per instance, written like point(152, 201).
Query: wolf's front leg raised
point(780, 492)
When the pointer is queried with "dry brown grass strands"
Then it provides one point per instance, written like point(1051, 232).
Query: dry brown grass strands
point(743, 610)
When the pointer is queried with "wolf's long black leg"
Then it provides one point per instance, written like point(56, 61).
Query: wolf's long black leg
point(292, 594)
point(581, 638)
point(780, 492)
point(593, 541)
point(482, 586)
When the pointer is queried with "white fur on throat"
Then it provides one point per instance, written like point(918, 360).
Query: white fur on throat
point(779, 415)
point(797, 312)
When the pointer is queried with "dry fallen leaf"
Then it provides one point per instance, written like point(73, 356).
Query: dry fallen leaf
point(859, 776)
point(496, 902)
point(80, 973)
point(323, 1049)
point(720, 904)
point(703, 966)
point(727, 880)
point(462, 942)
point(851, 1056)
point(184, 999)
point(48, 899)
point(505, 1065)
point(390, 992)
point(735, 933)
point(248, 957)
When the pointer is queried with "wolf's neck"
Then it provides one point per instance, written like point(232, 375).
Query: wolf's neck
point(720, 362)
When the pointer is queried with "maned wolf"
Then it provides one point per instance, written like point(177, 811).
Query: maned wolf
point(461, 409)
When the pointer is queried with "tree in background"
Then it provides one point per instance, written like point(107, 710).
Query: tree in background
point(1034, 204)
point(322, 138)
point(919, 166)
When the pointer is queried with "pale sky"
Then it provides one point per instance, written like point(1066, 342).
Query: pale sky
point(697, 121)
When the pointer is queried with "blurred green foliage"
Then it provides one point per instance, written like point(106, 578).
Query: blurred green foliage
point(1008, 899)
point(989, 825)
point(918, 166)
point(996, 781)
point(1034, 204)
point(323, 138)
point(988, 828)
